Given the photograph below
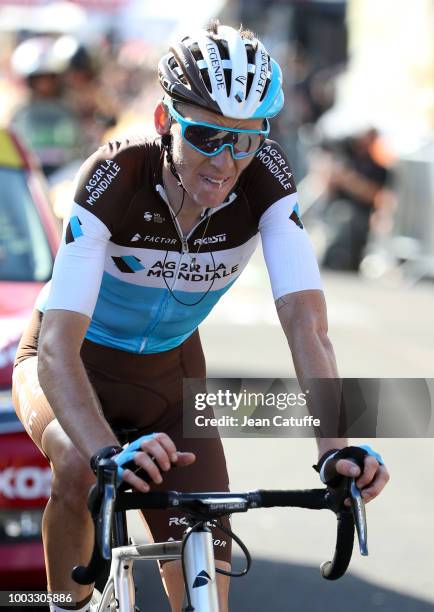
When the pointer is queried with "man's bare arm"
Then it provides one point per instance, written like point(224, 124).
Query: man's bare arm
point(65, 383)
point(64, 380)
point(303, 316)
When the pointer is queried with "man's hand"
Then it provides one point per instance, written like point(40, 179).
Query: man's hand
point(157, 454)
point(371, 482)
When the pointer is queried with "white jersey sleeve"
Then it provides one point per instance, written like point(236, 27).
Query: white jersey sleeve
point(288, 252)
point(79, 264)
point(104, 188)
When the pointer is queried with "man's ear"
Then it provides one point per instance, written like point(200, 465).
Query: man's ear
point(162, 119)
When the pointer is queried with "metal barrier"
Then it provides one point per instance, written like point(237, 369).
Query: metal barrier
point(413, 233)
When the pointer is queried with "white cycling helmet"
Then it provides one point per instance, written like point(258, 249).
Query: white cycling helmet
point(38, 55)
point(225, 71)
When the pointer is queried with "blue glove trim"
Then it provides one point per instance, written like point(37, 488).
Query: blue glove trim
point(129, 452)
point(373, 453)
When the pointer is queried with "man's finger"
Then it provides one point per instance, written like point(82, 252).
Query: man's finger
point(377, 485)
point(168, 445)
point(135, 481)
point(185, 459)
point(159, 454)
point(144, 461)
point(347, 468)
point(369, 472)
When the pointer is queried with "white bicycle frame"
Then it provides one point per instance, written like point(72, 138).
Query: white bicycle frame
point(199, 565)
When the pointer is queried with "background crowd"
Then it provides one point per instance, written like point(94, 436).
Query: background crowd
point(358, 128)
point(70, 80)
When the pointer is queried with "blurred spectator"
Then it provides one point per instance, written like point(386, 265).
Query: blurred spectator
point(309, 93)
point(355, 177)
point(45, 122)
point(97, 111)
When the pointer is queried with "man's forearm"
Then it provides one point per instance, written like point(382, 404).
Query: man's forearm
point(303, 316)
point(314, 359)
point(66, 385)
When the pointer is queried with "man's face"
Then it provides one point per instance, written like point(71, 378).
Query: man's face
point(208, 180)
point(45, 85)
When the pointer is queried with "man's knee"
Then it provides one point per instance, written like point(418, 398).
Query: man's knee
point(72, 475)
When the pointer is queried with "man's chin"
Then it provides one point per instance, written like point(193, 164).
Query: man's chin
point(212, 200)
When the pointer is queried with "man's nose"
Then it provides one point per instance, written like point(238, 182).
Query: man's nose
point(224, 162)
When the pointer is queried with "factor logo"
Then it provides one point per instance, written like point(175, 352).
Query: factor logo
point(201, 579)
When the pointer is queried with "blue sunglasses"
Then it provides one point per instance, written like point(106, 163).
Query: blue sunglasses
point(210, 139)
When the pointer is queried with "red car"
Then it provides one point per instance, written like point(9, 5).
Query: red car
point(29, 236)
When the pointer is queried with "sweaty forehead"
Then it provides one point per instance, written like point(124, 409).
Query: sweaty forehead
point(195, 113)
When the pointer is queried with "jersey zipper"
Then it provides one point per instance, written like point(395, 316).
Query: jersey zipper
point(184, 250)
point(184, 239)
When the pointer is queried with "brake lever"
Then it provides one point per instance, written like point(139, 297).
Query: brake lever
point(106, 518)
point(359, 515)
point(107, 482)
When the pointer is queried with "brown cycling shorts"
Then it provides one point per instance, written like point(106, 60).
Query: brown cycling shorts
point(143, 392)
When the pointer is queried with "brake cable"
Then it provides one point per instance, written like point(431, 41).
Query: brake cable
point(232, 535)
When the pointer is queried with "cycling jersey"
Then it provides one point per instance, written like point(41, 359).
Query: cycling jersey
point(125, 263)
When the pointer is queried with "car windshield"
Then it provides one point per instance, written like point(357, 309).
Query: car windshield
point(24, 251)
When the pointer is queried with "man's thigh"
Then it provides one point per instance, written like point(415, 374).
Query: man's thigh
point(30, 403)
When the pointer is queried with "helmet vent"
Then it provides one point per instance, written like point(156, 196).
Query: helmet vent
point(228, 77)
point(175, 67)
point(267, 84)
point(223, 49)
point(250, 53)
point(206, 79)
point(198, 56)
point(196, 52)
point(173, 64)
point(251, 67)
point(264, 93)
point(249, 83)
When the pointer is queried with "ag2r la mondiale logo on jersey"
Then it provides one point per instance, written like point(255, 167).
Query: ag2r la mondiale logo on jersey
point(101, 180)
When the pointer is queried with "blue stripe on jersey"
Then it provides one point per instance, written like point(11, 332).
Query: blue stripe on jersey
point(146, 319)
point(76, 227)
point(133, 262)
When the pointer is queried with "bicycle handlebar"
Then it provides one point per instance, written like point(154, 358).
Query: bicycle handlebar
point(104, 500)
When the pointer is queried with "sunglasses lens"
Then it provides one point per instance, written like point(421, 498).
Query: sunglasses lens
point(207, 139)
point(210, 140)
point(247, 144)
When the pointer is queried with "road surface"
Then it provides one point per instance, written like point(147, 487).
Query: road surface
point(377, 331)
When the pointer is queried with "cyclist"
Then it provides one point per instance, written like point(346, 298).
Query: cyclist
point(158, 231)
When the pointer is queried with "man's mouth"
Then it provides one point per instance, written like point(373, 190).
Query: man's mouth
point(216, 182)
